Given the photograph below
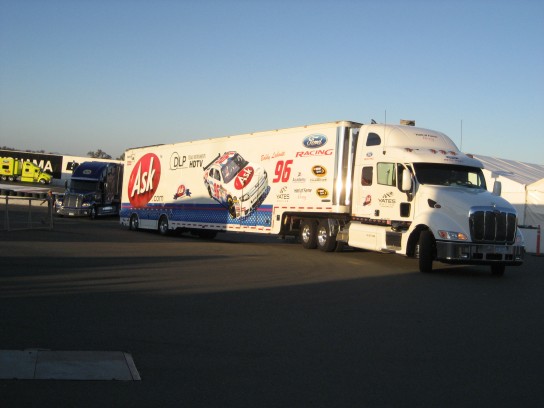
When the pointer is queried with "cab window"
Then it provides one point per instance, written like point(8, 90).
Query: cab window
point(373, 139)
point(366, 177)
point(387, 174)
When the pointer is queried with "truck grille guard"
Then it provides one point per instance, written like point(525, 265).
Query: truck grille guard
point(492, 225)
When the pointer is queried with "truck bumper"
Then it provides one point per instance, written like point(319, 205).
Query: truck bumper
point(479, 254)
point(73, 212)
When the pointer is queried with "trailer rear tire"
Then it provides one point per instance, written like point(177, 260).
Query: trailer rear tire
point(163, 225)
point(134, 223)
point(426, 247)
point(325, 242)
point(308, 234)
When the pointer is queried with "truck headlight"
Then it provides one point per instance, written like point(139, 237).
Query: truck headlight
point(452, 236)
point(86, 204)
point(245, 197)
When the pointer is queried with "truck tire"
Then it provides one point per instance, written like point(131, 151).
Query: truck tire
point(426, 247)
point(498, 269)
point(163, 225)
point(134, 223)
point(308, 234)
point(325, 242)
point(41, 181)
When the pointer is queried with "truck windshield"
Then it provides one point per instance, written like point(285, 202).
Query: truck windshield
point(232, 167)
point(80, 185)
point(449, 175)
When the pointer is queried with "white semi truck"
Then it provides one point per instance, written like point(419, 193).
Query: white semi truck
point(380, 187)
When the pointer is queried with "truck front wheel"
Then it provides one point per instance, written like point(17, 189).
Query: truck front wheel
point(426, 251)
point(308, 234)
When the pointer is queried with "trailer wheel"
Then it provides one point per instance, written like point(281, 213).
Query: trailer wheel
point(134, 223)
point(308, 234)
point(325, 242)
point(163, 225)
point(497, 270)
point(426, 251)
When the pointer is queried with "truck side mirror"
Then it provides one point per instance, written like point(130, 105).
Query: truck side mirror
point(497, 188)
point(406, 186)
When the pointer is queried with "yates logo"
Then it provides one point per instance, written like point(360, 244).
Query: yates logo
point(144, 180)
point(314, 141)
point(243, 178)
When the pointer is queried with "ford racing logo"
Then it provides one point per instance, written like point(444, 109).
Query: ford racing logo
point(314, 141)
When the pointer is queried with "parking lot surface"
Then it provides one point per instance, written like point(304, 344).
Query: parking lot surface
point(253, 321)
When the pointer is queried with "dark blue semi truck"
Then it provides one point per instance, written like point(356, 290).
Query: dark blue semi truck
point(93, 190)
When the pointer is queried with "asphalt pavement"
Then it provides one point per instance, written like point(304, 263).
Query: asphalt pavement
point(253, 321)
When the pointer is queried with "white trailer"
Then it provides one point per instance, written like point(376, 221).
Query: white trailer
point(380, 187)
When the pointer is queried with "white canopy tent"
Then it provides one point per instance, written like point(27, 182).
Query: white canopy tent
point(523, 186)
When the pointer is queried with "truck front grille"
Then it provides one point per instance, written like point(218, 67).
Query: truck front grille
point(492, 225)
point(72, 200)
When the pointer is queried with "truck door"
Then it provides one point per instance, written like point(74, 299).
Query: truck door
point(379, 197)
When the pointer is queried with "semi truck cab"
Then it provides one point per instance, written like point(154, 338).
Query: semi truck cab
point(415, 193)
point(93, 190)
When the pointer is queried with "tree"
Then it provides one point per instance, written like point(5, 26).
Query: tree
point(99, 154)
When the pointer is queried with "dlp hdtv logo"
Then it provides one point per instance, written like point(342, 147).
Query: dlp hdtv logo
point(144, 180)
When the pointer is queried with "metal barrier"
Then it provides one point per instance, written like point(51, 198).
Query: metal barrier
point(24, 210)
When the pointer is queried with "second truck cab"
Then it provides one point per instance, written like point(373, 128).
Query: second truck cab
point(94, 190)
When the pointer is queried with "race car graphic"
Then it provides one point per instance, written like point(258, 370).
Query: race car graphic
point(236, 184)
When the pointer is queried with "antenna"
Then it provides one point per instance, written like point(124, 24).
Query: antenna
point(461, 144)
point(384, 129)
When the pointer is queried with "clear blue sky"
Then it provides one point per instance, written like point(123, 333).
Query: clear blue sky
point(81, 75)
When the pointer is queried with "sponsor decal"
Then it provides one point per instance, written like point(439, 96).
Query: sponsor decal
point(243, 178)
point(283, 195)
point(272, 156)
point(144, 180)
point(368, 200)
point(87, 172)
point(183, 162)
point(322, 192)
point(314, 141)
point(386, 200)
point(314, 153)
point(299, 178)
point(319, 171)
point(428, 137)
point(182, 192)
